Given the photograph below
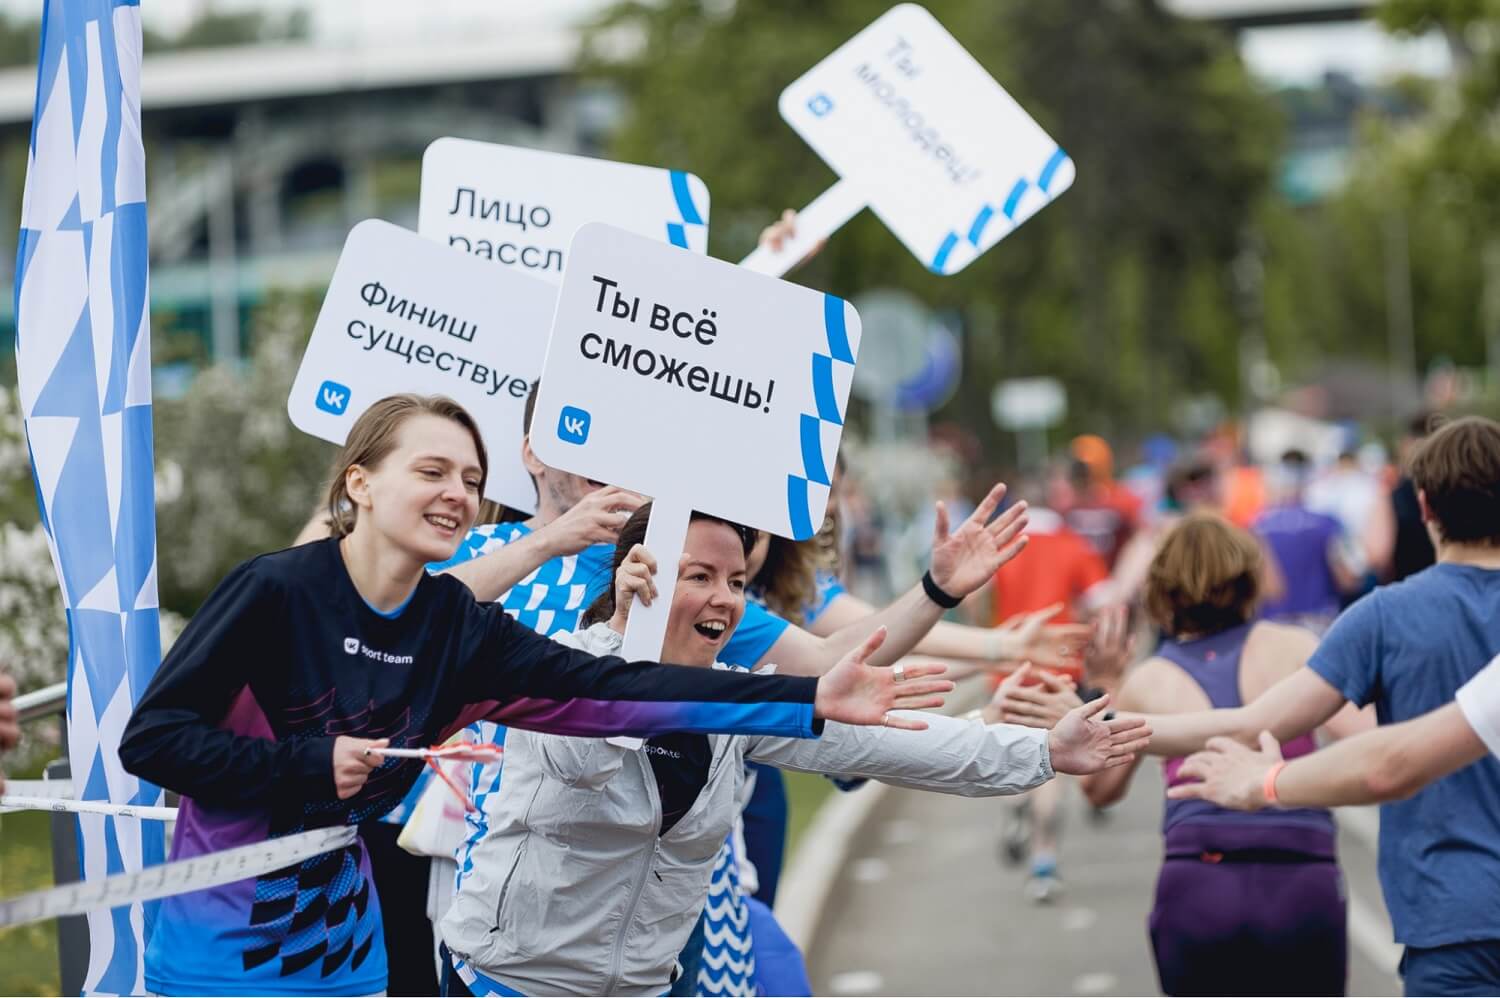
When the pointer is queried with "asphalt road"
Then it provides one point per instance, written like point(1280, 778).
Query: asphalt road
point(923, 906)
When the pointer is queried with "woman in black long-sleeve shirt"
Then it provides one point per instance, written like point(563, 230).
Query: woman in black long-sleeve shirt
point(301, 660)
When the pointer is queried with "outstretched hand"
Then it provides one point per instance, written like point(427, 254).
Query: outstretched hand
point(1033, 637)
point(1229, 774)
point(1082, 743)
point(853, 692)
point(1040, 705)
point(965, 559)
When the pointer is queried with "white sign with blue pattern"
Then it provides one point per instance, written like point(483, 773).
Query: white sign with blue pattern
point(696, 382)
point(521, 207)
point(402, 314)
point(920, 133)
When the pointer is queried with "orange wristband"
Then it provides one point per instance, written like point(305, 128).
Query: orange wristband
point(1268, 788)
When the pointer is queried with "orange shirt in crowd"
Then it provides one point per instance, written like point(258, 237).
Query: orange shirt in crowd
point(1058, 566)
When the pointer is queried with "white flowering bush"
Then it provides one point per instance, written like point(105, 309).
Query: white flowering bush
point(33, 625)
point(234, 477)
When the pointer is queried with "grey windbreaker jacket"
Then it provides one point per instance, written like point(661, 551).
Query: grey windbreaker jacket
point(574, 892)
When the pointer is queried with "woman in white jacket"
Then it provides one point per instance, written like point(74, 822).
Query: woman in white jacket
point(598, 858)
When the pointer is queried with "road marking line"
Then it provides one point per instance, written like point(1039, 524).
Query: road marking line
point(855, 982)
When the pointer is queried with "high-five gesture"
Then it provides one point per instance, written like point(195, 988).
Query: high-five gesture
point(965, 559)
point(853, 692)
point(1083, 744)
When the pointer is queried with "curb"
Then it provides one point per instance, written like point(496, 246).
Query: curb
point(812, 870)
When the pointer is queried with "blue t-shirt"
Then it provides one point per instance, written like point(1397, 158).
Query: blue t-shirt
point(828, 589)
point(1407, 648)
point(1300, 539)
point(758, 631)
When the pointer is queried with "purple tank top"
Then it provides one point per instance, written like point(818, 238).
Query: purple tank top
point(1213, 663)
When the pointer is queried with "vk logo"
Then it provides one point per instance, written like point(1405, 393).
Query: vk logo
point(351, 646)
point(573, 425)
point(333, 398)
point(820, 104)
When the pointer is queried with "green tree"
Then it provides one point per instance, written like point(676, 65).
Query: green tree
point(1120, 288)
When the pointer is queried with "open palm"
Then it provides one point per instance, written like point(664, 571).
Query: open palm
point(965, 559)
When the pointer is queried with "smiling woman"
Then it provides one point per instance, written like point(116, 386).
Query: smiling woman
point(263, 714)
point(597, 856)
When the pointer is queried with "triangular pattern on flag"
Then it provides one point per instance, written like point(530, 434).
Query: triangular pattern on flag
point(84, 376)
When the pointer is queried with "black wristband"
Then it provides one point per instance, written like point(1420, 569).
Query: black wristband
point(936, 594)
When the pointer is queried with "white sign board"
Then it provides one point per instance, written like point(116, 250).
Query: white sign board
point(918, 131)
point(1028, 403)
point(403, 314)
point(698, 383)
point(520, 207)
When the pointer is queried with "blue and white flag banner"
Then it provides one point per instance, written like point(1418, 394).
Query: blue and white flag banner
point(83, 359)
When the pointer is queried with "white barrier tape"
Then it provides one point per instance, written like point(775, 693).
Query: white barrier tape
point(482, 754)
point(167, 879)
point(22, 802)
point(40, 788)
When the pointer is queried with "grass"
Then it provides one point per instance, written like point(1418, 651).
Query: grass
point(805, 794)
point(29, 965)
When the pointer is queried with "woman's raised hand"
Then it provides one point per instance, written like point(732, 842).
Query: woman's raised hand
point(853, 692)
point(633, 580)
point(964, 560)
point(1082, 743)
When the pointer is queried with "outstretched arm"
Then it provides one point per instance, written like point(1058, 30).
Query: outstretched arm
point(1389, 763)
point(1386, 764)
point(595, 519)
point(961, 562)
point(1294, 706)
point(1024, 636)
point(517, 677)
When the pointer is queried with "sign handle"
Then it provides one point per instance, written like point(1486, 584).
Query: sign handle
point(666, 536)
point(824, 216)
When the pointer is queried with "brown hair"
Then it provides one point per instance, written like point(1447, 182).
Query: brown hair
point(1205, 577)
point(788, 581)
point(1458, 469)
point(372, 438)
point(632, 533)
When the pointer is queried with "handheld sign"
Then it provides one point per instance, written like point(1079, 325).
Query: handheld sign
point(918, 131)
point(521, 207)
point(698, 383)
point(403, 314)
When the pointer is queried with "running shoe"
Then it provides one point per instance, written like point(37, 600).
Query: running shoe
point(1015, 841)
point(1044, 886)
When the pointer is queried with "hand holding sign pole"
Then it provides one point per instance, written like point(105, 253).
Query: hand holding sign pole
point(698, 383)
point(922, 135)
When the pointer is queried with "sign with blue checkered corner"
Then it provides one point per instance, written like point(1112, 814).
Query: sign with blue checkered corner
point(403, 314)
point(920, 133)
point(520, 207)
point(699, 383)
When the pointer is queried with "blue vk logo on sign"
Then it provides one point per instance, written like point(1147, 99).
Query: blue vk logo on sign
point(820, 104)
point(573, 425)
point(333, 398)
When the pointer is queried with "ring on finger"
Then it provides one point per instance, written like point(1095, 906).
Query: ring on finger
point(885, 721)
point(899, 671)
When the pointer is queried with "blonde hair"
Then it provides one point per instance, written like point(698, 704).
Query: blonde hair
point(372, 438)
point(1205, 577)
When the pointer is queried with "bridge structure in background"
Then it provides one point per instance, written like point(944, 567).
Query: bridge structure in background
point(262, 157)
point(1241, 14)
